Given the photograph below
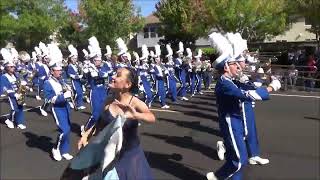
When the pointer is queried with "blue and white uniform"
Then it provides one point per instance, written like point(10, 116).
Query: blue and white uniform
point(73, 73)
point(9, 85)
point(229, 98)
point(53, 92)
point(98, 93)
point(249, 121)
point(43, 74)
point(171, 81)
point(183, 79)
point(144, 76)
point(160, 88)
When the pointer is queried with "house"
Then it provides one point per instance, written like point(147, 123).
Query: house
point(298, 32)
point(150, 35)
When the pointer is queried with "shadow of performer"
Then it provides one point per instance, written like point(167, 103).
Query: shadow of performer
point(168, 164)
point(40, 142)
point(188, 143)
point(195, 125)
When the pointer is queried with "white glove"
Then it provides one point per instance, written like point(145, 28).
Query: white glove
point(275, 84)
point(17, 96)
point(80, 76)
point(85, 70)
point(257, 84)
point(67, 94)
point(23, 83)
point(244, 78)
point(94, 73)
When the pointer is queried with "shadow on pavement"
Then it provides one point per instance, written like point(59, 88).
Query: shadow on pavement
point(168, 164)
point(40, 142)
point(201, 115)
point(188, 143)
point(193, 125)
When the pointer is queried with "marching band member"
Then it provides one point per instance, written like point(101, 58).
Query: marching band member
point(189, 71)
point(54, 92)
point(230, 119)
point(207, 74)
point(86, 64)
point(108, 63)
point(181, 73)
point(43, 74)
point(198, 70)
point(144, 75)
point(43, 68)
point(122, 60)
point(171, 78)
point(32, 70)
point(98, 91)
point(160, 73)
point(11, 85)
point(74, 72)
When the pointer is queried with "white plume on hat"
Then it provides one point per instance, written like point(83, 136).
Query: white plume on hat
point(181, 49)
point(94, 47)
point(38, 50)
point(136, 56)
point(55, 54)
point(223, 47)
point(199, 55)
point(85, 52)
point(6, 54)
point(243, 43)
point(109, 51)
point(7, 57)
point(189, 53)
point(151, 53)
point(238, 45)
point(122, 47)
point(169, 50)
point(44, 49)
point(260, 71)
point(128, 56)
point(34, 55)
point(14, 53)
point(24, 56)
point(158, 50)
point(73, 51)
point(144, 53)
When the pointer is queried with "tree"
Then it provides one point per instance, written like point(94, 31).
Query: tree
point(28, 22)
point(108, 20)
point(183, 20)
point(254, 19)
point(310, 10)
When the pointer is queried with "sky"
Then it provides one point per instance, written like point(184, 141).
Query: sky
point(147, 6)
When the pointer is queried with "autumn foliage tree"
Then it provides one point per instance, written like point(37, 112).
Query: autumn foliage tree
point(183, 20)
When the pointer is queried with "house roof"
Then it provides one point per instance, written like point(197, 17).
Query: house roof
point(152, 19)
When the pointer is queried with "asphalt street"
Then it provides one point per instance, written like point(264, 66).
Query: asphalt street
point(182, 143)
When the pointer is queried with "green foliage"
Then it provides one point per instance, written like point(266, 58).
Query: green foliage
point(254, 19)
point(108, 20)
point(310, 9)
point(183, 20)
point(208, 51)
point(28, 22)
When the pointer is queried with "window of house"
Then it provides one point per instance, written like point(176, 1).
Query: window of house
point(153, 33)
point(307, 22)
point(146, 32)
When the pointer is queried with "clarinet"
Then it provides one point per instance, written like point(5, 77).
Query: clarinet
point(65, 88)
